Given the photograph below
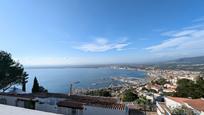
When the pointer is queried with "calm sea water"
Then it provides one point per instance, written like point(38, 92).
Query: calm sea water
point(58, 80)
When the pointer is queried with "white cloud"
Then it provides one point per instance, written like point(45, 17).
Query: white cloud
point(102, 45)
point(199, 19)
point(184, 33)
point(184, 42)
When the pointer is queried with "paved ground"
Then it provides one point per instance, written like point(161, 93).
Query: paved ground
point(11, 110)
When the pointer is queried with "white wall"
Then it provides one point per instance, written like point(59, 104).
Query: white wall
point(10, 100)
point(172, 104)
point(20, 104)
point(68, 111)
point(47, 104)
point(90, 110)
point(160, 110)
point(50, 105)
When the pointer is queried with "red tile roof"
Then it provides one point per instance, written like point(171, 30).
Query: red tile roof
point(70, 104)
point(74, 101)
point(197, 104)
point(110, 106)
point(179, 99)
point(80, 104)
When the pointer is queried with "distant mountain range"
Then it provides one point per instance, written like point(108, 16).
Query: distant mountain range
point(190, 63)
point(189, 60)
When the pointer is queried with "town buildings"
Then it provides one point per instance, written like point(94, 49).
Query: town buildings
point(173, 76)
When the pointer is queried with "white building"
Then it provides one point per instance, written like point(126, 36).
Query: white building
point(64, 104)
point(190, 106)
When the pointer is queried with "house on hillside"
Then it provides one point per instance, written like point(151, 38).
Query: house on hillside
point(188, 106)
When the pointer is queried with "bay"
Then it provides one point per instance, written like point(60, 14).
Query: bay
point(58, 80)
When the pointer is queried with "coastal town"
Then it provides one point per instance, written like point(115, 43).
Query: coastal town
point(155, 88)
point(150, 95)
point(101, 57)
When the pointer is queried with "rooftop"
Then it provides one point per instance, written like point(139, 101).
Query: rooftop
point(70, 104)
point(84, 99)
point(74, 101)
point(179, 99)
point(197, 104)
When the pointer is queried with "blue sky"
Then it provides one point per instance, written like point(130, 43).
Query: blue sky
point(61, 32)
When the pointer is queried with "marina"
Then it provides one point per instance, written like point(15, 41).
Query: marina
point(59, 80)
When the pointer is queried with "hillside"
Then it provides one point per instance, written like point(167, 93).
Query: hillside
point(189, 60)
point(190, 63)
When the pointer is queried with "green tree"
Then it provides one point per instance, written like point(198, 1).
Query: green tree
point(24, 81)
point(129, 96)
point(101, 92)
point(42, 89)
point(188, 88)
point(161, 81)
point(11, 72)
point(36, 86)
point(104, 93)
point(179, 111)
point(144, 102)
point(184, 88)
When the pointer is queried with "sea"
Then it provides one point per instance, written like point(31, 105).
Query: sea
point(58, 80)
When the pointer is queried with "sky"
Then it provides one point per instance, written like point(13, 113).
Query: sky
point(77, 32)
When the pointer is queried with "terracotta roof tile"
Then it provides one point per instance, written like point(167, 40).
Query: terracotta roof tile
point(197, 104)
point(70, 104)
point(179, 99)
point(75, 101)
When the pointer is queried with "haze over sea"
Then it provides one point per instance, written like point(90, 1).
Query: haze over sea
point(58, 79)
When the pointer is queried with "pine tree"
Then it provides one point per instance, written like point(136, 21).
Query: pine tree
point(24, 81)
point(36, 87)
point(11, 72)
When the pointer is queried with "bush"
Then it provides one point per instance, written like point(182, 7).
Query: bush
point(187, 88)
point(102, 92)
point(129, 96)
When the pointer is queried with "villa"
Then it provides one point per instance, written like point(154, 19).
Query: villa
point(65, 104)
point(189, 106)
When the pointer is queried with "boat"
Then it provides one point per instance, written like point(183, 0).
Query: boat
point(76, 82)
point(94, 84)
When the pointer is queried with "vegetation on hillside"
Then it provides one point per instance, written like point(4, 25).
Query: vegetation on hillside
point(187, 88)
point(129, 96)
point(101, 92)
point(160, 81)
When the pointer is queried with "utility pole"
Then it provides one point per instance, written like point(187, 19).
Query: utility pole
point(70, 90)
